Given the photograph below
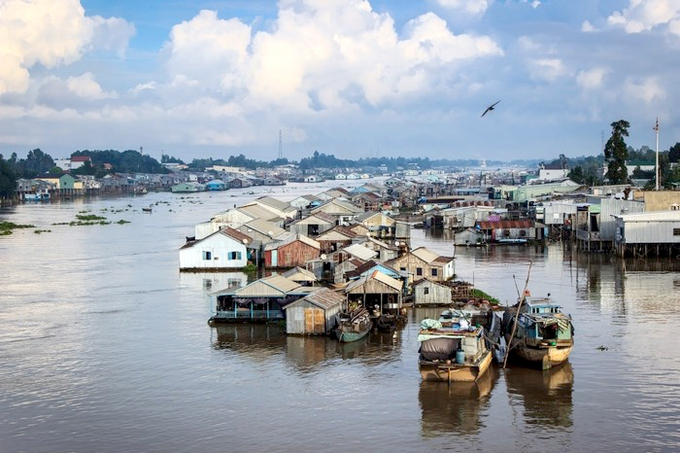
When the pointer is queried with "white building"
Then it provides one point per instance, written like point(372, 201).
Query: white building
point(224, 249)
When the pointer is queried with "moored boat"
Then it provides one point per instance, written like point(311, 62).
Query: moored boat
point(353, 326)
point(543, 335)
point(452, 353)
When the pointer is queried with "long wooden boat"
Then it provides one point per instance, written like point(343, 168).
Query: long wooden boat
point(353, 326)
point(543, 335)
point(455, 353)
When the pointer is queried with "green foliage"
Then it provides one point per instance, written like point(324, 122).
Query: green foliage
point(129, 161)
point(674, 153)
point(122, 222)
point(616, 153)
point(479, 294)
point(165, 159)
point(8, 179)
point(250, 267)
point(36, 163)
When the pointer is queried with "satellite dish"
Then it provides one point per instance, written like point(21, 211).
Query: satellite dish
point(323, 256)
point(396, 243)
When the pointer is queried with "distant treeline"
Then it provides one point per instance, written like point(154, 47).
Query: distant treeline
point(588, 169)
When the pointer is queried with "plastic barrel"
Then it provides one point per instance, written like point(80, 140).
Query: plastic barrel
point(460, 357)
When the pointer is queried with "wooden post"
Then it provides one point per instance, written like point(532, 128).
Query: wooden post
point(514, 327)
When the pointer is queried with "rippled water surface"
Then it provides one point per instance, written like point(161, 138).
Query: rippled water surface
point(104, 346)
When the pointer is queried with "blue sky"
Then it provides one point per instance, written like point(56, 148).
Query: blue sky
point(349, 77)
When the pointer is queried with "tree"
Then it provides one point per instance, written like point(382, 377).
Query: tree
point(577, 175)
point(616, 153)
point(674, 153)
point(8, 180)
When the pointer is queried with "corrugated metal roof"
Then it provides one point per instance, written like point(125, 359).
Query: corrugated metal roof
point(322, 298)
point(236, 235)
point(375, 275)
point(265, 227)
point(652, 216)
point(361, 252)
point(274, 286)
point(425, 254)
point(258, 212)
point(298, 274)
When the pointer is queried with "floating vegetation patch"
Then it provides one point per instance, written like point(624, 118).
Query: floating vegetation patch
point(7, 227)
point(42, 231)
point(89, 218)
point(122, 222)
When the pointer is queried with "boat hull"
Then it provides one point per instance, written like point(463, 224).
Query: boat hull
point(348, 337)
point(544, 357)
point(430, 371)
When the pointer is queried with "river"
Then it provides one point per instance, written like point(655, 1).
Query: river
point(105, 347)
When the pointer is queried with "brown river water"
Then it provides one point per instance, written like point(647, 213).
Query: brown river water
point(105, 346)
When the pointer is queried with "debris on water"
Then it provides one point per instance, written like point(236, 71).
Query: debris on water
point(602, 348)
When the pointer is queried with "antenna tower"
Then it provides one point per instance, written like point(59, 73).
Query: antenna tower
point(280, 145)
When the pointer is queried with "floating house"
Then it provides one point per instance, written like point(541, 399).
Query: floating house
point(376, 292)
point(294, 250)
point(517, 231)
point(314, 314)
point(423, 262)
point(260, 301)
point(313, 225)
point(335, 238)
point(215, 184)
point(187, 187)
point(221, 250)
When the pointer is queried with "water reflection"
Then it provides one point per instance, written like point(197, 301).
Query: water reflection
point(455, 409)
point(305, 353)
point(545, 395)
point(254, 340)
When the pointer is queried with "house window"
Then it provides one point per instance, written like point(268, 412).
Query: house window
point(434, 272)
point(676, 231)
point(234, 255)
point(506, 233)
point(426, 291)
point(419, 271)
point(207, 255)
point(403, 269)
point(522, 232)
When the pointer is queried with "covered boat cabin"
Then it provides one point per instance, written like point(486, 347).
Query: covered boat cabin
point(542, 320)
point(260, 301)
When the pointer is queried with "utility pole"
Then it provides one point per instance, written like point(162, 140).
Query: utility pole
point(656, 128)
point(280, 145)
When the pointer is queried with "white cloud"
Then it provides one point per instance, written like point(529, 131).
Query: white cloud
point(85, 87)
point(591, 79)
point(647, 89)
point(319, 51)
point(467, 6)
point(587, 27)
point(52, 33)
point(548, 69)
point(643, 15)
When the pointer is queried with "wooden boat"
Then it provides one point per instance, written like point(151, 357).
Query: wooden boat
point(454, 353)
point(543, 335)
point(353, 326)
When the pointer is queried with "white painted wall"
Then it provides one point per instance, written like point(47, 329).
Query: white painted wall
point(219, 247)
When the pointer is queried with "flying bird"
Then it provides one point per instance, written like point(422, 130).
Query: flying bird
point(490, 108)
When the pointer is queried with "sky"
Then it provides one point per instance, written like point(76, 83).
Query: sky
point(353, 78)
